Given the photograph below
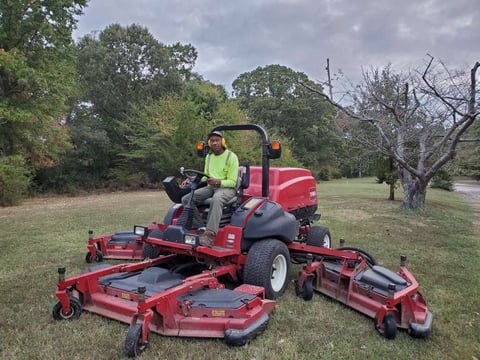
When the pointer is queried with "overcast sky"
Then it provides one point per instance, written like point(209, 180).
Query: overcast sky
point(233, 37)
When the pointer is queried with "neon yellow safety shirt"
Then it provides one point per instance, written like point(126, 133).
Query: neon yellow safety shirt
point(223, 167)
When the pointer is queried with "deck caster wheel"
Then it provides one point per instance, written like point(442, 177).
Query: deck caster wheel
point(74, 313)
point(149, 251)
point(307, 292)
point(133, 343)
point(388, 329)
point(98, 257)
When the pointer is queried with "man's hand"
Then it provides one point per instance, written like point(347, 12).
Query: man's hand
point(214, 182)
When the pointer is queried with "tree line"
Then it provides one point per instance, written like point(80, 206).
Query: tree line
point(120, 109)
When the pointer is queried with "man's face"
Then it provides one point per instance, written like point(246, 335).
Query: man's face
point(216, 144)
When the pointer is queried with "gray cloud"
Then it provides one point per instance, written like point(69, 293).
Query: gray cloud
point(233, 37)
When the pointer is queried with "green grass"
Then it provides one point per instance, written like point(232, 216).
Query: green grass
point(441, 243)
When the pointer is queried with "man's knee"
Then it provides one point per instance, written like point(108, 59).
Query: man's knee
point(223, 197)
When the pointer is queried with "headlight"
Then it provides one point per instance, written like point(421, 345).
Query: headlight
point(140, 231)
point(190, 239)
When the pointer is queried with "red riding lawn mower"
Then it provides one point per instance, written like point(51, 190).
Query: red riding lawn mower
point(228, 291)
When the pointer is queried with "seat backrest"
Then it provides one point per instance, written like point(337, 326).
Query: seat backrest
point(244, 175)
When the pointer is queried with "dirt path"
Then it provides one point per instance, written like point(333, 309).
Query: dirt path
point(470, 190)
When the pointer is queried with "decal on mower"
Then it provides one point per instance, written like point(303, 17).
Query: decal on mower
point(218, 313)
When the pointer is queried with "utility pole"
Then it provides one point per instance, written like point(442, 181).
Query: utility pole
point(329, 80)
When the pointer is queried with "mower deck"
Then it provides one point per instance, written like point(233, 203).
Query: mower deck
point(392, 299)
point(152, 297)
point(124, 245)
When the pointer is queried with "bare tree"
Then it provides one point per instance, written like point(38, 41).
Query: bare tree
point(417, 119)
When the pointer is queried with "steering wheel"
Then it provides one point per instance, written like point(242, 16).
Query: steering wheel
point(193, 175)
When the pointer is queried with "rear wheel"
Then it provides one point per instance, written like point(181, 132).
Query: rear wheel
point(319, 236)
point(133, 343)
point(268, 265)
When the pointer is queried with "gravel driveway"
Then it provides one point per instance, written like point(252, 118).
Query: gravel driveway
point(470, 189)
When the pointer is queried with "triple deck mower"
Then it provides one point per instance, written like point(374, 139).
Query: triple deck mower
point(228, 290)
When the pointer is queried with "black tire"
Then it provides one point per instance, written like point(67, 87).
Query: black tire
point(133, 342)
point(75, 310)
point(369, 257)
point(98, 257)
point(319, 236)
point(388, 329)
point(150, 251)
point(268, 265)
point(308, 290)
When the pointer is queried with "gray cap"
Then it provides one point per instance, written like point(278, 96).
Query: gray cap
point(216, 133)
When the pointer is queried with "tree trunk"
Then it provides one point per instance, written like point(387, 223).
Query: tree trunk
point(414, 191)
point(391, 195)
point(392, 179)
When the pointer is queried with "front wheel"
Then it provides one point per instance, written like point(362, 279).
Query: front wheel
point(268, 265)
point(133, 343)
point(74, 313)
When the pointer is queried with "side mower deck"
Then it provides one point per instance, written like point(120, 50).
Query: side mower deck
point(392, 299)
point(151, 296)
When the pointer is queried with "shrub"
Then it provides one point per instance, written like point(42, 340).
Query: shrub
point(15, 178)
point(442, 180)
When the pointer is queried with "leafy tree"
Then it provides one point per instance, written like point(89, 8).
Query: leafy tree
point(164, 132)
point(123, 70)
point(184, 58)
point(124, 66)
point(37, 79)
point(85, 165)
point(15, 178)
point(274, 97)
point(418, 120)
point(167, 130)
point(468, 160)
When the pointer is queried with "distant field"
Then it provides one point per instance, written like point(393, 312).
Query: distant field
point(441, 244)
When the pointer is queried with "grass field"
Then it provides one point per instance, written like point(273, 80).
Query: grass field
point(441, 244)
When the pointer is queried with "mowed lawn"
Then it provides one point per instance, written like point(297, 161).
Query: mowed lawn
point(442, 245)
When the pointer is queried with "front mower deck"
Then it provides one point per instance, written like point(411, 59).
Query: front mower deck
point(152, 297)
